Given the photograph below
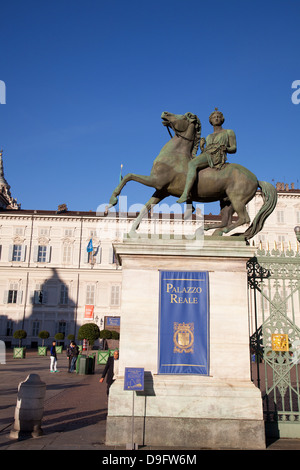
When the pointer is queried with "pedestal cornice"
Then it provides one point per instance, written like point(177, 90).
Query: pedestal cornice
point(215, 247)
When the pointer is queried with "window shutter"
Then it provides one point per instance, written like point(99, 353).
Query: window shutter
point(23, 254)
point(19, 297)
point(5, 298)
point(98, 254)
point(45, 297)
point(48, 254)
point(35, 253)
point(111, 255)
point(10, 252)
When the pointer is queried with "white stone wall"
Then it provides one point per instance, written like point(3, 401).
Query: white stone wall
point(279, 227)
point(64, 265)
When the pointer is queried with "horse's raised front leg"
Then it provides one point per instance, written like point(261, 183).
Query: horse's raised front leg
point(146, 180)
point(155, 199)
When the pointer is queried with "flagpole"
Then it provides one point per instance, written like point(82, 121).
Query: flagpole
point(121, 177)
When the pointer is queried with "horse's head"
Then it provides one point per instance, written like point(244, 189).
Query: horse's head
point(187, 126)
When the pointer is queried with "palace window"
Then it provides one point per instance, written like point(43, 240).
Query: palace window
point(13, 295)
point(42, 254)
point(39, 296)
point(9, 328)
point(64, 295)
point(90, 294)
point(280, 217)
point(115, 296)
point(68, 232)
point(35, 328)
point(62, 327)
point(67, 254)
point(17, 253)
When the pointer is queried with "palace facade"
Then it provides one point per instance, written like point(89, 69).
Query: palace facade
point(50, 281)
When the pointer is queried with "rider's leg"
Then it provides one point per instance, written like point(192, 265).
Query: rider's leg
point(197, 163)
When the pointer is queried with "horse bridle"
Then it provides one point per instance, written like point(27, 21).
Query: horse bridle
point(177, 132)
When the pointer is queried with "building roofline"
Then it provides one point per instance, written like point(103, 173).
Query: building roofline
point(93, 214)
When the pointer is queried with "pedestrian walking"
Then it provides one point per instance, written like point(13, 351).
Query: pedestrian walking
point(69, 356)
point(74, 351)
point(53, 358)
point(111, 370)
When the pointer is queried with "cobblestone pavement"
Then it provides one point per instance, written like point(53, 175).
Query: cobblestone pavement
point(75, 409)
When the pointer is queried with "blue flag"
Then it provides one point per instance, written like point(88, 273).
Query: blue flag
point(90, 246)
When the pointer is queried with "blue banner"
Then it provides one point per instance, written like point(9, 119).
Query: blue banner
point(184, 323)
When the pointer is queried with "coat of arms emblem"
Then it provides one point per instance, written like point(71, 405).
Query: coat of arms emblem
point(183, 337)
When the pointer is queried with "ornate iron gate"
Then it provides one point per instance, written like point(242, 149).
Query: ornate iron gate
point(274, 300)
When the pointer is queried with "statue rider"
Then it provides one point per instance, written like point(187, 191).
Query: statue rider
point(218, 144)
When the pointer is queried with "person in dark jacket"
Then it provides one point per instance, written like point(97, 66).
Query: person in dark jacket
point(53, 358)
point(74, 351)
point(111, 370)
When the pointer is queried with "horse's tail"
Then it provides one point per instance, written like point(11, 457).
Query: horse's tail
point(269, 195)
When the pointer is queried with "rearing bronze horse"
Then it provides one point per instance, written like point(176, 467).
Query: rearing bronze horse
point(233, 185)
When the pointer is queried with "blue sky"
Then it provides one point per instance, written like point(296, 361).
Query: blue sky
point(86, 83)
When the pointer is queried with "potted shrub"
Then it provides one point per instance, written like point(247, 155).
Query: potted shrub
point(59, 337)
point(42, 350)
point(90, 332)
point(111, 338)
point(19, 352)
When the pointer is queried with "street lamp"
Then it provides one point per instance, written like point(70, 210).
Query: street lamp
point(297, 232)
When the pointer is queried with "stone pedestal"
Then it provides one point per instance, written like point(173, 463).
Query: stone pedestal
point(29, 409)
point(222, 410)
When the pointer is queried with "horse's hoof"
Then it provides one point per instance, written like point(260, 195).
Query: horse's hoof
point(182, 199)
point(112, 202)
point(218, 233)
point(133, 234)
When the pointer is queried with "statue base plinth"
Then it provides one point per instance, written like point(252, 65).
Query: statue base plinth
point(222, 410)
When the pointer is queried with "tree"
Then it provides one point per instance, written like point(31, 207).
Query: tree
point(109, 334)
point(59, 336)
point(20, 334)
point(89, 331)
point(44, 335)
point(105, 334)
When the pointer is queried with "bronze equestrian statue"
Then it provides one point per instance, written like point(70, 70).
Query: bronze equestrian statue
point(218, 144)
point(175, 172)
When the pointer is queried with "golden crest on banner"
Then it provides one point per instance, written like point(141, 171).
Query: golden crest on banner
point(183, 337)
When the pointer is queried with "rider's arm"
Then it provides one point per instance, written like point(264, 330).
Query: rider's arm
point(231, 141)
